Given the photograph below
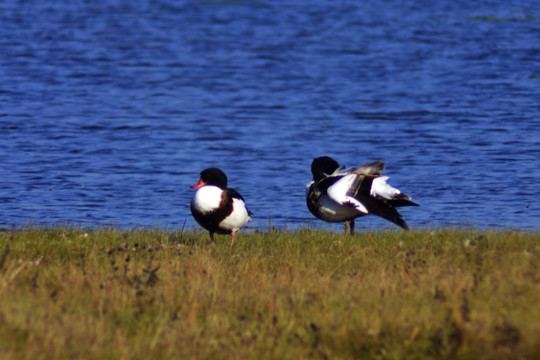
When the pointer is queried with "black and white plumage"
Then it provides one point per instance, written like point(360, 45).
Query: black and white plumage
point(217, 208)
point(337, 194)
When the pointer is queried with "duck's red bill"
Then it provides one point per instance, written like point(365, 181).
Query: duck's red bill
point(198, 185)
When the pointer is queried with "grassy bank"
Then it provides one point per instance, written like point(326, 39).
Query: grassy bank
point(66, 293)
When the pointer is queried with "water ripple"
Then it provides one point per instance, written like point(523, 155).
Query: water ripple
point(111, 110)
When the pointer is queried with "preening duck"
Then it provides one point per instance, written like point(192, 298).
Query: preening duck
point(217, 208)
point(337, 194)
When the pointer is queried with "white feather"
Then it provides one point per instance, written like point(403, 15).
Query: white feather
point(380, 188)
point(338, 193)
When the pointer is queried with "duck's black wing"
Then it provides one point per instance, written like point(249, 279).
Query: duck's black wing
point(375, 168)
point(378, 205)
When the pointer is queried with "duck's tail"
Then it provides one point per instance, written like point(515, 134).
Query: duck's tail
point(381, 199)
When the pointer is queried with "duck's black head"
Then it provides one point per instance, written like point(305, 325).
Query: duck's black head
point(323, 166)
point(212, 176)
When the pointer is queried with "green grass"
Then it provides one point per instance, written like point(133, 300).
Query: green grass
point(450, 293)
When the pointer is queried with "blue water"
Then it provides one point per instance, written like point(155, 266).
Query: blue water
point(110, 109)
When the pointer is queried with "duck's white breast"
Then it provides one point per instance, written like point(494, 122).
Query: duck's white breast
point(207, 199)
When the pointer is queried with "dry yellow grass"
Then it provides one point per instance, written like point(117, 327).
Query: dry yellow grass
point(66, 293)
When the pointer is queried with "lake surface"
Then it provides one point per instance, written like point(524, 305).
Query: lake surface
point(109, 111)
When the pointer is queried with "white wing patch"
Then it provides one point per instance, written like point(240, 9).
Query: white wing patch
point(338, 193)
point(379, 188)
